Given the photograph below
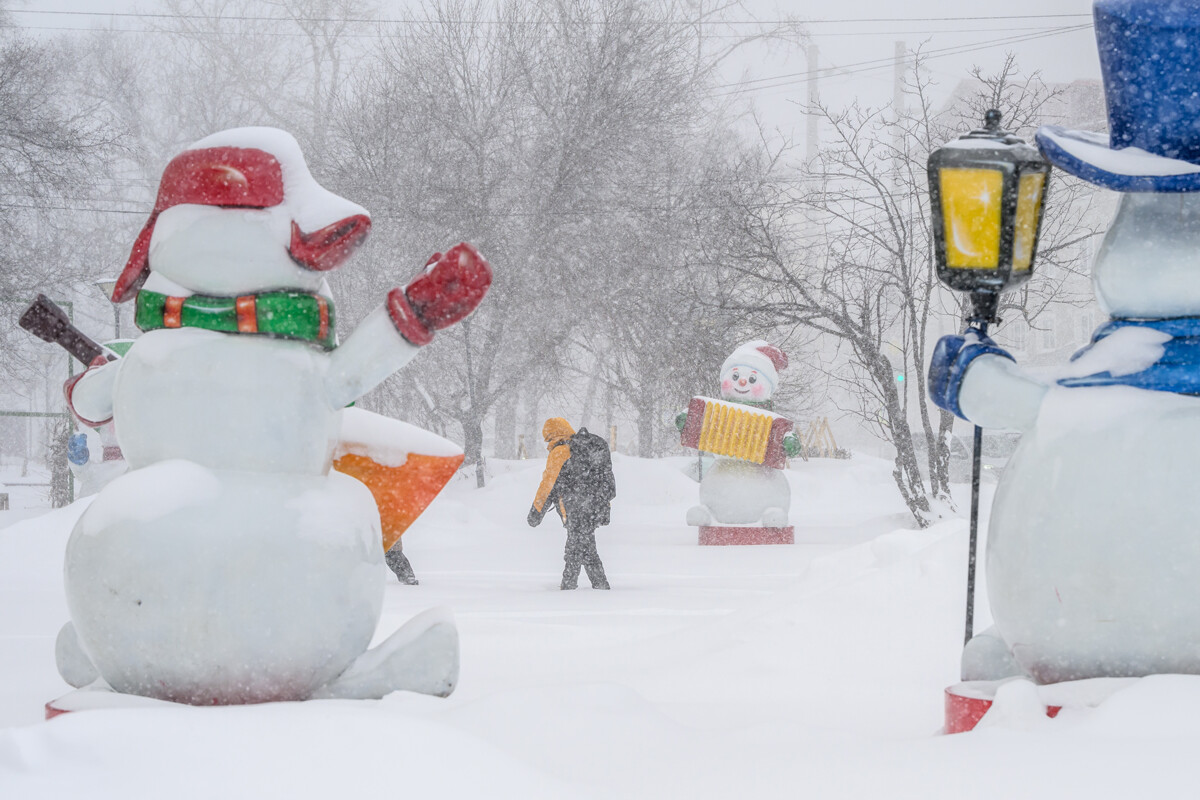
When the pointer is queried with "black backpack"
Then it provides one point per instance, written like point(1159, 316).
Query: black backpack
point(588, 473)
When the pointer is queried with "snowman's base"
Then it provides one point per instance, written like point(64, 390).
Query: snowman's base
point(967, 702)
point(99, 696)
point(748, 534)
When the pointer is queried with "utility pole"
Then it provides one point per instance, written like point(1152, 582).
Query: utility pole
point(899, 108)
point(899, 65)
point(812, 146)
point(812, 136)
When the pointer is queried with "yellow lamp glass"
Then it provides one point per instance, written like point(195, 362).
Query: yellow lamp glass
point(1029, 208)
point(971, 204)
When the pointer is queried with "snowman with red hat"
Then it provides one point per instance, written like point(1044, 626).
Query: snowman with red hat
point(230, 564)
point(744, 495)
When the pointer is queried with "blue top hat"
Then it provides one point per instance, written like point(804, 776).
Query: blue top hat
point(1150, 58)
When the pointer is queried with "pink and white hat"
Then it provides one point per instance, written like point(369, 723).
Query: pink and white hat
point(766, 358)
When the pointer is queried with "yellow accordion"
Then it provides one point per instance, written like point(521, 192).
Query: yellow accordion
point(736, 431)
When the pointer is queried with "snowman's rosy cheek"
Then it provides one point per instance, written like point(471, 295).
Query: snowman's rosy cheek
point(726, 385)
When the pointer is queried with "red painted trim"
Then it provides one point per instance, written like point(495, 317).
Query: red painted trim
point(247, 313)
point(406, 320)
point(173, 312)
point(776, 456)
point(69, 391)
point(137, 268)
point(690, 435)
point(52, 711)
point(963, 713)
point(329, 247)
point(237, 177)
point(323, 313)
point(750, 534)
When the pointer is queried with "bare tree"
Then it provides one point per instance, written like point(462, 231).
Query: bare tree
point(846, 252)
point(54, 144)
point(567, 139)
point(228, 63)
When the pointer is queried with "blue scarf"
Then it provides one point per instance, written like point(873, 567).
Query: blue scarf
point(1177, 370)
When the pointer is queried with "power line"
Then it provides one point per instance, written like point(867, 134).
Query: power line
point(430, 20)
point(889, 60)
point(584, 213)
point(789, 79)
point(924, 31)
point(385, 35)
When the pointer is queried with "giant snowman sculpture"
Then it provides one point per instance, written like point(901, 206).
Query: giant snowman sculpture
point(230, 565)
point(744, 496)
point(1093, 555)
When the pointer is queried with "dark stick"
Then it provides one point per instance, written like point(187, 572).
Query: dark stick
point(45, 320)
point(975, 468)
point(972, 547)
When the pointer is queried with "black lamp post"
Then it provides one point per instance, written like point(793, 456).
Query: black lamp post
point(986, 192)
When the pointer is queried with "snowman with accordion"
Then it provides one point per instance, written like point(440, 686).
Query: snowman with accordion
point(744, 495)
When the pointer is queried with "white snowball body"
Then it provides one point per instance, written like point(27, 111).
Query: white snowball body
point(215, 586)
point(226, 402)
point(227, 566)
point(1093, 557)
point(739, 492)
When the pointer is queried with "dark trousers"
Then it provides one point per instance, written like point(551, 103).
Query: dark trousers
point(398, 563)
point(581, 553)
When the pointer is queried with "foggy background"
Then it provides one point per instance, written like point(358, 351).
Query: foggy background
point(653, 182)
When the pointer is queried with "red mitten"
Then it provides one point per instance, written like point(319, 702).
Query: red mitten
point(449, 289)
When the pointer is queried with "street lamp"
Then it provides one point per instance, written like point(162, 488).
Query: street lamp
point(986, 192)
point(106, 285)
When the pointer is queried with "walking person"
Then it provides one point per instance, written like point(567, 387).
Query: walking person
point(579, 484)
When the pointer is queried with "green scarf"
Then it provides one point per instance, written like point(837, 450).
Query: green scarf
point(287, 315)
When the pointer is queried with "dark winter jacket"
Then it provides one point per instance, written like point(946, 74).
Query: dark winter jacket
point(580, 501)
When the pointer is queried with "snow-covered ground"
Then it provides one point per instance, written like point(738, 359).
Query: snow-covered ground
point(812, 670)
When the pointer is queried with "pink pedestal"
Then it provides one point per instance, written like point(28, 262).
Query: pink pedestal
point(750, 534)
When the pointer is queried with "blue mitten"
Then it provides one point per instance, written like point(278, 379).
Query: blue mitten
point(951, 358)
point(77, 449)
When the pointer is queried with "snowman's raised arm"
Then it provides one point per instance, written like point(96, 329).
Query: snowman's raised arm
point(449, 289)
point(996, 393)
point(90, 394)
point(975, 379)
point(373, 352)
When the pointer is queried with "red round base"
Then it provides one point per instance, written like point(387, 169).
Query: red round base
point(722, 535)
point(92, 697)
point(966, 703)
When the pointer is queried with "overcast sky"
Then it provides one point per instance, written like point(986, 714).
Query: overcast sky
point(855, 38)
point(856, 43)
